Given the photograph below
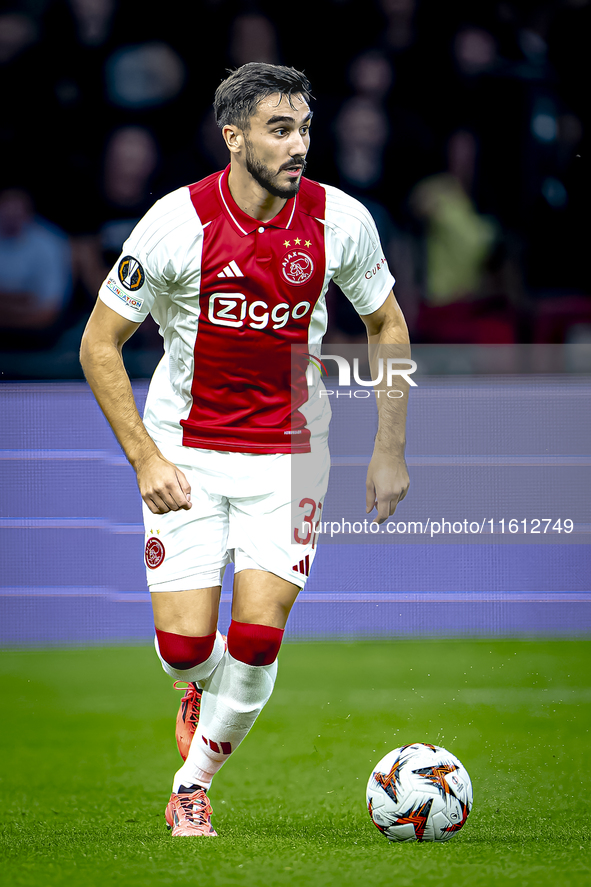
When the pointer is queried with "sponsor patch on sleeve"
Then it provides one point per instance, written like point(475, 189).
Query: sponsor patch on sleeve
point(131, 274)
point(379, 266)
point(131, 301)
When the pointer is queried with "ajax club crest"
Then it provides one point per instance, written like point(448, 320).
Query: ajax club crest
point(298, 267)
point(154, 553)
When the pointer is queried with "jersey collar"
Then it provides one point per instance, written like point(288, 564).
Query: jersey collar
point(244, 223)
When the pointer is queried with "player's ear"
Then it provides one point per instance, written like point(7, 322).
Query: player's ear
point(233, 138)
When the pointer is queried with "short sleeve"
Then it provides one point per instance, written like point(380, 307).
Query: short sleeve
point(363, 274)
point(151, 258)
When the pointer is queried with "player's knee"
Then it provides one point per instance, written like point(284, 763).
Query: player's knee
point(254, 644)
point(184, 652)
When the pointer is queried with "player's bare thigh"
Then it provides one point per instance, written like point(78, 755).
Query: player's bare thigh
point(192, 613)
point(262, 598)
point(259, 597)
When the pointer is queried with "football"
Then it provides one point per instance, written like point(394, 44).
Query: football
point(419, 792)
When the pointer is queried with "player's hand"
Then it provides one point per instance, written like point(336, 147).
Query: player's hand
point(386, 485)
point(163, 486)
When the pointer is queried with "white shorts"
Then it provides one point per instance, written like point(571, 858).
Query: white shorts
point(259, 510)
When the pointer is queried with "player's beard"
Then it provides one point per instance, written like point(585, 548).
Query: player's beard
point(266, 178)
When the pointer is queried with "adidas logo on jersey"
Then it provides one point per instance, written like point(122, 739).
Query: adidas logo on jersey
point(231, 270)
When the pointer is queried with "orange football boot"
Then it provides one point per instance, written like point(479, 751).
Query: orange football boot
point(189, 814)
point(188, 716)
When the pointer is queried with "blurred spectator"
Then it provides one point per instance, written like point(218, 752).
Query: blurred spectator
point(35, 269)
point(378, 156)
point(361, 126)
point(475, 51)
point(253, 38)
point(362, 131)
point(462, 158)
point(131, 159)
point(458, 240)
point(469, 293)
point(381, 146)
point(17, 32)
point(399, 32)
point(371, 75)
point(144, 76)
point(93, 20)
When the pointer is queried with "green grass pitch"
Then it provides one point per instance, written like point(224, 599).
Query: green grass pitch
point(88, 752)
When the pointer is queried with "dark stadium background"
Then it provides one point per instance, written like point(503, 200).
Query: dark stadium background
point(479, 107)
point(493, 92)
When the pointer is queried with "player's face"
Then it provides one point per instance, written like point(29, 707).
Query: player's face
point(277, 143)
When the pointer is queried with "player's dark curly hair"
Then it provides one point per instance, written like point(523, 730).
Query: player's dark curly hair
point(238, 95)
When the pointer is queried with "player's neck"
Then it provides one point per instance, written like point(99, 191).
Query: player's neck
point(251, 197)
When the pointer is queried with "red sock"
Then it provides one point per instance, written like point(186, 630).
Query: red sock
point(182, 652)
point(254, 644)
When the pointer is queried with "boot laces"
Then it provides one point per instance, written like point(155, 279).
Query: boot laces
point(196, 807)
point(191, 702)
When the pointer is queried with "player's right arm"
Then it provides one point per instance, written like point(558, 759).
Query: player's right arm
point(162, 485)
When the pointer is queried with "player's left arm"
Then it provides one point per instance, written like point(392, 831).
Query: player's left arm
point(387, 476)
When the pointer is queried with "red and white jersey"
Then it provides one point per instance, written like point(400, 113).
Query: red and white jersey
point(232, 295)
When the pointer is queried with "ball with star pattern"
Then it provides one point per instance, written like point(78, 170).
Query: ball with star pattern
point(419, 792)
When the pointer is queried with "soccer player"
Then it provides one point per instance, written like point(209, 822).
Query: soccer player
point(231, 456)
